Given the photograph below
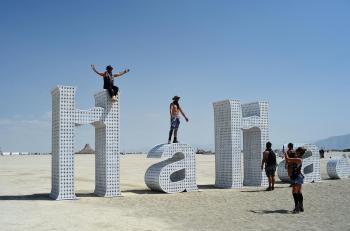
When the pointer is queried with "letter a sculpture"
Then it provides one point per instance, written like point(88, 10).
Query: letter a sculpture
point(105, 118)
point(235, 122)
point(177, 173)
point(310, 167)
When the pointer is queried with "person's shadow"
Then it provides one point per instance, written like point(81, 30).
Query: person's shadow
point(280, 211)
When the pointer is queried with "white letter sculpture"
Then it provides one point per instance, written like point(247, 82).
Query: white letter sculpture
point(105, 118)
point(310, 168)
point(338, 168)
point(177, 173)
point(234, 121)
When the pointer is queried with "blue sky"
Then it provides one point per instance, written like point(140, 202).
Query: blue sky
point(294, 54)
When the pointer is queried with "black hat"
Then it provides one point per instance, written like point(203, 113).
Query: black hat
point(109, 67)
point(176, 97)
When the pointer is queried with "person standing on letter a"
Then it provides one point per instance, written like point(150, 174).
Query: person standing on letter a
point(108, 82)
point(175, 111)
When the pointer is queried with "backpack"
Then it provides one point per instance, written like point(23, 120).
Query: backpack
point(271, 158)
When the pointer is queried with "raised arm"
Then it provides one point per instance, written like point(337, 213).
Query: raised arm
point(121, 73)
point(292, 160)
point(94, 69)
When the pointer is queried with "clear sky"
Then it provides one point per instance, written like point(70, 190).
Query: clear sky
point(294, 54)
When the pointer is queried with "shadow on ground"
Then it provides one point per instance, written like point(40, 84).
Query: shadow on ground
point(33, 197)
point(251, 191)
point(148, 191)
point(38, 196)
point(142, 191)
point(207, 186)
point(280, 211)
point(86, 195)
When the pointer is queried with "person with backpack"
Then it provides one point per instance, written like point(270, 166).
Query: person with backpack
point(269, 160)
point(108, 82)
point(296, 177)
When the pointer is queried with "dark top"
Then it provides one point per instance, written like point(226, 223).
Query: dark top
point(271, 158)
point(296, 171)
point(108, 80)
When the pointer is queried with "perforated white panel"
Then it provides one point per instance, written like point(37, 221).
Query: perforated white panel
point(177, 173)
point(338, 168)
point(235, 122)
point(105, 118)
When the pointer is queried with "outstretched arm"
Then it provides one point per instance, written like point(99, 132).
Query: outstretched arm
point(121, 73)
point(183, 114)
point(94, 69)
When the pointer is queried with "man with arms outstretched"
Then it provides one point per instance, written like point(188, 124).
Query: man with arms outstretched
point(108, 77)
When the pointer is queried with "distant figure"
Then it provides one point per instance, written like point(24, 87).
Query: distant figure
point(269, 159)
point(108, 82)
point(321, 153)
point(296, 177)
point(175, 111)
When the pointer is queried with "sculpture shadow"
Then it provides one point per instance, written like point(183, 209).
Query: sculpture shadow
point(143, 191)
point(257, 190)
point(281, 182)
point(330, 179)
point(279, 211)
point(207, 186)
point(32, 197)
point(86, 195)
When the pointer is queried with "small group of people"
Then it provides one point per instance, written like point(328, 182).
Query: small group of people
point(174, 109)
point(293, 159)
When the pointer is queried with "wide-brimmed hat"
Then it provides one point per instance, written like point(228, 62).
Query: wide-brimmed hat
point(176, 97)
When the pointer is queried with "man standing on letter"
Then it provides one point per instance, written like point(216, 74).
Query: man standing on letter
point(175, 111)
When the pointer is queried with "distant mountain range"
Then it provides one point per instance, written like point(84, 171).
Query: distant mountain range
point(335, 142)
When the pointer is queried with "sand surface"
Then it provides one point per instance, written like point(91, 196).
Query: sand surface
point(24, 203)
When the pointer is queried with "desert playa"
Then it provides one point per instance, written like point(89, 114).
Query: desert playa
point(25, 183)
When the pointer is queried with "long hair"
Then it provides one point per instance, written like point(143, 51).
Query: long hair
point(300, 152)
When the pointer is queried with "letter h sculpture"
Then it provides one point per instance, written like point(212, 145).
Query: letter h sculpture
point(105, 118)
point(235, 122)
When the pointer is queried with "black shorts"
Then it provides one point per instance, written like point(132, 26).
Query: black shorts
point(270, 170)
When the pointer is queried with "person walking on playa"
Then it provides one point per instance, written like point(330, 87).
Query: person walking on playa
point(296, 177)
point(175, 111)
point(108, 82)
point(269, 160)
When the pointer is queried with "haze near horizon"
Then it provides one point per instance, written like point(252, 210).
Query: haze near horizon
point(292, 54)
